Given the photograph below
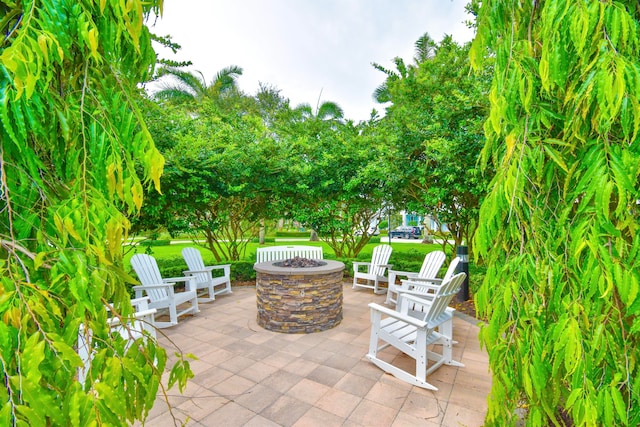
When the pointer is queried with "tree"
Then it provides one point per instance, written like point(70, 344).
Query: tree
point(342, 184)
point(187, 86)
point(437, 114)
point(559, 225)
point(71, 140)
point(219, 175)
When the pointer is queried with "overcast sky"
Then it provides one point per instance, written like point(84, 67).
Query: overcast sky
point(309, 49)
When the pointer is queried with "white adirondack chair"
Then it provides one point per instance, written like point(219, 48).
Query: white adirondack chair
point(160, 291)
point(143, 321)
point(204, 275)
point(415, 337)
point(375, 270)
point(430, 268)
point(424, 287)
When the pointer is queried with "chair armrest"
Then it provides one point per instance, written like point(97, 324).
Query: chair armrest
point(408, 284)
point(402, 273)
point(397, 315)
point(177, 279)
point(139, 301)
point(209, 268)
point(360, 263)
point(159, 286)
point(426, 279)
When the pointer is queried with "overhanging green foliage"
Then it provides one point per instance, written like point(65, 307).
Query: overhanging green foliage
point(559, 227)
point(72, 139)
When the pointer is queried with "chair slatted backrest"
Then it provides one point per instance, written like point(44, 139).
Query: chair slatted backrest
point(280, 253)
point(444, 294)
point(432, 263)
point(452, 269)
point(379, 259)
point(148, 272)
point(194, 261)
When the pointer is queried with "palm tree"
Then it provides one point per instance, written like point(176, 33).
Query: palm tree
point(425, 50)
point(189, 86)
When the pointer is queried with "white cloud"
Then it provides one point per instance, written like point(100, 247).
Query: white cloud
point(308, 48)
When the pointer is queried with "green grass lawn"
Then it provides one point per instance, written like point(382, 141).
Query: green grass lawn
point(405, 256)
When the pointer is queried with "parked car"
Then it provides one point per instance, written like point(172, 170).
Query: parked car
point(406, 232)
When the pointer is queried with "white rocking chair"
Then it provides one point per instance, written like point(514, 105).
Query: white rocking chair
point(161, 292)
point(430, 268)
point(204, 275)
point(412, 336)
point(141, 324)
point(375, 270)
point(424, 287)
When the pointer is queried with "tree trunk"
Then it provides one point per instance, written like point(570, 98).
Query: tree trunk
point(262, 233)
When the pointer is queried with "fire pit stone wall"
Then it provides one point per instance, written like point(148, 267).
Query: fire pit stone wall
point(299, 300)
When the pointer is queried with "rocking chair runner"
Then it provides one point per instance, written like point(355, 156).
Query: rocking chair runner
point(160, 291)
point(204, 275)
point(412, 335)
point(375, 270)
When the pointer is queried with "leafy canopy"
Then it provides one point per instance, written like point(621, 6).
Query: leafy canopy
point(72, 140)
point(559, 226)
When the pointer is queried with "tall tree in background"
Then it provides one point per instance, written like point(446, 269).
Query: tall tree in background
point(559, 227)
point(437, 111)
point(72, 138)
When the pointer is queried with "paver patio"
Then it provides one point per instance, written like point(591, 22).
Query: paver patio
point(248, 376)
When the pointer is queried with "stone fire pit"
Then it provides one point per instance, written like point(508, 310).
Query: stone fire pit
point(294, 297)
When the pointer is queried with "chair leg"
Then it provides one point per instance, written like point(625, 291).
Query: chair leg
point(173, 314)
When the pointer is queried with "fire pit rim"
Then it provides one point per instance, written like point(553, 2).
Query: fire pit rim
point(269, 268)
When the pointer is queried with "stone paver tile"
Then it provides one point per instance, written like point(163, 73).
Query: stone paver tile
point(300, 367)
point(211, 377)
point(260, 421)
point(446, 374)
point(239, 346)
point(457, 416)
point(388, 395)
point(366, 369)
point(308, 391)
point(177, 417)
point(230, 415)
point(316, 417)
point(342, 362)
point(470, 397)
point(199, 407)
point(281, 381)
point(286, 410)
point(217, 356)
point(258, 338)
point(326, 375)
point(338, 402)
point(355, 384)
point(257, 371)
point(258, 398)
point(279, 359)
point(233, 387)
point(236, 364)
point(424, 406)
point(373, 414)
point(316, 355)
point(406, 420)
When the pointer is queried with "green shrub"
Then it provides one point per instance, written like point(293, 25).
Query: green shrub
point(266, 240)
point(155, 242)
point(300, 234)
